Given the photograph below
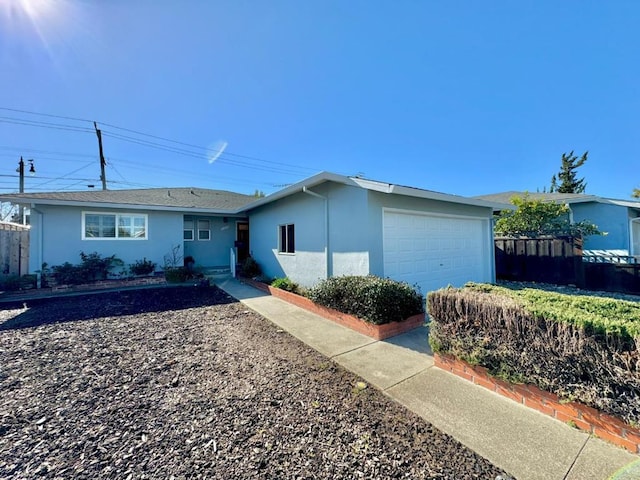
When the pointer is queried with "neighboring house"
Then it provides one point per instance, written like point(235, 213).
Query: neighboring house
point(326, 225)
point(620, 219)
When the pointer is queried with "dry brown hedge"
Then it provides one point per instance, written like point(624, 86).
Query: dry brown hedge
point(497, 332)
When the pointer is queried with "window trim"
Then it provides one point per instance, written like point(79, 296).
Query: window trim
point(192, 230)
point(208, 230)
point(117, 216)
point(290, 245)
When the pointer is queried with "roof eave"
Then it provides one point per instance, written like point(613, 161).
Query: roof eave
point(312, 181)
point(34, 202)
point(445, 197)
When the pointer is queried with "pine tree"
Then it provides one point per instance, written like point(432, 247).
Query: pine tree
point(567, 175)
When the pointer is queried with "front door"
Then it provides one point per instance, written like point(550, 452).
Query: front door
point(242, 241)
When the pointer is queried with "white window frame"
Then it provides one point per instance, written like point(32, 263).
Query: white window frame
point(192, 230)
point(284, 249)
point(208, 230)
point(117, 221)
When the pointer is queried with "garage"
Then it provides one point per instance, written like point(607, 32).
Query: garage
point(434, 251)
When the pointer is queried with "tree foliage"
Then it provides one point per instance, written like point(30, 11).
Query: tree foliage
point(636, 193)
point(533, 218)
point(567, 176)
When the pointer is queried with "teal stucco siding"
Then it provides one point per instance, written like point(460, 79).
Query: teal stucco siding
point(345, 218)
point(613, 219)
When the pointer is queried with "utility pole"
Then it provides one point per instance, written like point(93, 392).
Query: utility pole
point(103, 176)
point(20, 170)
point(21, 173)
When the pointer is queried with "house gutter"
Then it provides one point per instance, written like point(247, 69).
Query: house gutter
point(326, 228)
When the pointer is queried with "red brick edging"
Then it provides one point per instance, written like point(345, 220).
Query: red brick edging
point(585, 418)
point(378, 332)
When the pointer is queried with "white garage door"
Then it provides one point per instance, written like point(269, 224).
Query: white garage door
point(435, 251)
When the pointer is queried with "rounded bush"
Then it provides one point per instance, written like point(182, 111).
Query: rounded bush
point(374, 299)
point(285, 284)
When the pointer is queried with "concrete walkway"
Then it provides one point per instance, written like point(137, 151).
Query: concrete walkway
point(525, 443)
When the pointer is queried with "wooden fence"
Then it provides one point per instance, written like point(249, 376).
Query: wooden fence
point(14, 249)
point(549, 260)
point(560, 261)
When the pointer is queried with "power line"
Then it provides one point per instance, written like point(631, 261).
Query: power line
point(45, 114)
point(35, 123)
point(157, 137)
point(162, 143)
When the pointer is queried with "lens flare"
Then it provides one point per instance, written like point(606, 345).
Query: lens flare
point(27, 21)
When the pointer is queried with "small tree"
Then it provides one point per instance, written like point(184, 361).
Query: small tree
point(567, 176)
point(636, 193)
point(536, 217)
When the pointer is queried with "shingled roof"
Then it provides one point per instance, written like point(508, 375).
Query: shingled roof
point(187, 197)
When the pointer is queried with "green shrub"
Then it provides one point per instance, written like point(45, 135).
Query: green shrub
point(93, 267)
point(96, 267)
point(374, 299)
point(67, 273)
point(285, 284)
point(182, 274)
point(176, 274)
point(250, 268)
point(142, 267)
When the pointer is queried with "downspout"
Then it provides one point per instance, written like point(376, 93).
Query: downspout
point(632, 237)
point(39, 250)
point(326, 229)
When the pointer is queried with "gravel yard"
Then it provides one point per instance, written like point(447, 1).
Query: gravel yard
point(185, 382)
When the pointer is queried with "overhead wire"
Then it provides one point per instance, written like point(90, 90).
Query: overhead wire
point(157, 137)
point(194, 151)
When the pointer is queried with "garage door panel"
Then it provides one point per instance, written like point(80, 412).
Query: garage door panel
point(435, 251)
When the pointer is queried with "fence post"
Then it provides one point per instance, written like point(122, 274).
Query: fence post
point(578, 264)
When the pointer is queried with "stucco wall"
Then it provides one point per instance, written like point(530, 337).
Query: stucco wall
point(347, 234)
point(57, 234)
point(213, 252)
point(613, 219)
point(307, 265)
point(355, 231)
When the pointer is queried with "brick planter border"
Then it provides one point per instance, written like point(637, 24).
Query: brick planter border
point(378, 332)
point(585, 418)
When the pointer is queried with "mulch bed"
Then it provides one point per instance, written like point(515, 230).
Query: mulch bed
point(188, 383)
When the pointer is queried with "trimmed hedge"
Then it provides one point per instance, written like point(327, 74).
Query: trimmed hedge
point(599, 315)
point(373, 299)
point(578, 347)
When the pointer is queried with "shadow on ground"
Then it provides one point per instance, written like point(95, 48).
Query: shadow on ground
point(107, 304)
point(416, 340)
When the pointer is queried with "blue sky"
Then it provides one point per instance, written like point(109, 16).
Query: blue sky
point(462, 97)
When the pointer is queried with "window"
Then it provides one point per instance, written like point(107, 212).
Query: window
point(287, 243)
point(188, 230)
point(204, 230)
point(103, 225)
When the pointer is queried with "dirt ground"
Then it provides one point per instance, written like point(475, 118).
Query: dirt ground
point(188, 383)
